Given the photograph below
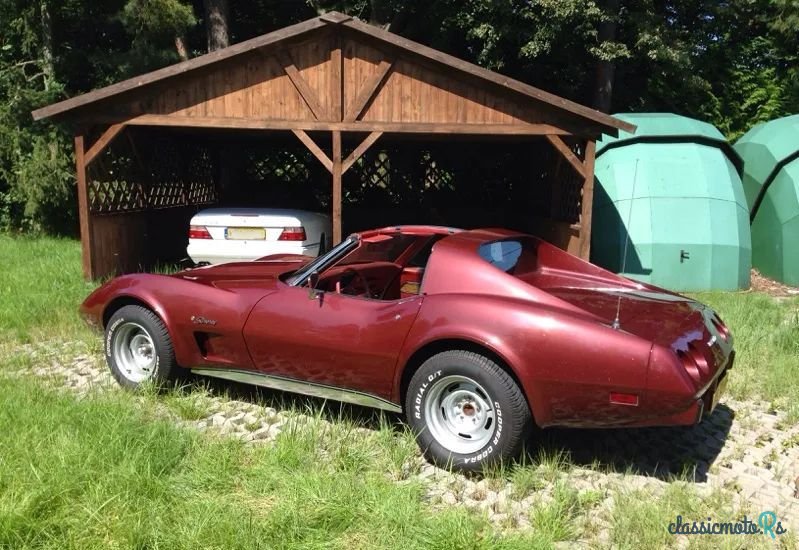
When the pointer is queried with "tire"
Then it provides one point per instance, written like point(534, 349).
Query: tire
point(322, 244)
point(138, 348)
point(453, 387)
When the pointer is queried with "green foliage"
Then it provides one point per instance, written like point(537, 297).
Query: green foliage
point(158, 18)
point(733, 63)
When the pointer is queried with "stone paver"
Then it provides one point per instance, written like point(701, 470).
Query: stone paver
point(742, 448)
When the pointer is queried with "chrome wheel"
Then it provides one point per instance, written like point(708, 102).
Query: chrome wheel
point(460, 414)
point(134, 352)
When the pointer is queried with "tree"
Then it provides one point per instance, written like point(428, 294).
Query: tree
point(217, 17)
point(154, 23)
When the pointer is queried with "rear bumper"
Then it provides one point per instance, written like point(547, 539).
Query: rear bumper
point(220, 251)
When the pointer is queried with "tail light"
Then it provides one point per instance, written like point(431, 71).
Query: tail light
point(694, 363)
point(722, 329)
point(292, 234)
point(199, 232)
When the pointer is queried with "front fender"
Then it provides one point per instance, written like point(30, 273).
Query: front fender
point(217, 341)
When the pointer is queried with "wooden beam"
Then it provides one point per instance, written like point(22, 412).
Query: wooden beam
point(360, 150)
point(368, 91)
point(568, 154)
point(218, 57)
point(588, 201)
point(84, 214)
point(336, 78)
point(103, 141)
point(305, 91)
point(312, 125)
point(337, 173)
point(315, 149)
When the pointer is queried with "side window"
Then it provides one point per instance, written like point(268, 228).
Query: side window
point(503, 255)
point(423, 255)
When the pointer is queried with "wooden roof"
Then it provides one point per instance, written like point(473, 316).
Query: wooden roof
point(334, 72)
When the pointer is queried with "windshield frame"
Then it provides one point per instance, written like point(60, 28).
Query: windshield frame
point(324, 261)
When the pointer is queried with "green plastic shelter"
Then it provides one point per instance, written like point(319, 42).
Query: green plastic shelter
point(674, 189)
point(771, 182)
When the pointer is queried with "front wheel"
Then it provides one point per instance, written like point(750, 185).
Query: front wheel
point(466, 411)
point(138, 348)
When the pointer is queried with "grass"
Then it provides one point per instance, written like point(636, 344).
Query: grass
point(41, 286)
point(110, 472)
point(106, 473)
point(639, 517)
point(766, 333)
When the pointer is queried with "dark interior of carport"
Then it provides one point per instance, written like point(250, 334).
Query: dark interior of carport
point(331, 115)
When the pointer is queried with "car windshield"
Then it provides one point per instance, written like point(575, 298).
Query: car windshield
point(379, 248)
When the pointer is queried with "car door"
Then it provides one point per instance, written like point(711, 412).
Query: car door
point(331, 339)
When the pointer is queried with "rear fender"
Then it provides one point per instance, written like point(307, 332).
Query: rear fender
point(566, 366)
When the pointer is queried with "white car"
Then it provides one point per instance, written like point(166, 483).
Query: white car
point(220, 235)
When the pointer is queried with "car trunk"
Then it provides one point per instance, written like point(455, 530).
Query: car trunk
point(243, 224)
point(692, 331)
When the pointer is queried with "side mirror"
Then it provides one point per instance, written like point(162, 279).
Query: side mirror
point(313, 280)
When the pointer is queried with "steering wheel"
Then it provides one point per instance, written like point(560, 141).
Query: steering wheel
point(354, 274)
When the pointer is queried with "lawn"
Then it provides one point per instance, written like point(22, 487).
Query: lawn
point(114, 470)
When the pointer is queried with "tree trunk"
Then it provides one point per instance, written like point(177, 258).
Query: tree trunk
point(606, 70)
point(216, 22)
point(180, 46)
point(47, 43)
point(379, 13)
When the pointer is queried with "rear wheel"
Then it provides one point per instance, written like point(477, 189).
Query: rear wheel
point(322, 244)
point(466, 411)
point(138, 348)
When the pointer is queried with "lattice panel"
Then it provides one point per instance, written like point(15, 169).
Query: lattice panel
point(278, 166)
point(115, 196)
point(200, 192)
point(568, 206)
point(147, 172)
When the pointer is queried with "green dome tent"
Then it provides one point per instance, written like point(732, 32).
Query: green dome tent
point(771, 182)
point(675, 188)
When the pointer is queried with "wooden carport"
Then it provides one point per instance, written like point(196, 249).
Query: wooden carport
point(329, 76)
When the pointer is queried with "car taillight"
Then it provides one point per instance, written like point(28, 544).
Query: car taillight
point(292, 234)
point(694, 362)
point(199, 232)
point(722, 329)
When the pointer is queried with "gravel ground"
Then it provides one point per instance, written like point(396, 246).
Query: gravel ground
point(744, 448)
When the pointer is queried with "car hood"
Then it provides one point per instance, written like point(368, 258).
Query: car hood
point(260, 274)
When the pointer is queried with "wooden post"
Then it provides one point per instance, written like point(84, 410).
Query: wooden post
point(86, 238)
point(337, 172)
point(588, 200)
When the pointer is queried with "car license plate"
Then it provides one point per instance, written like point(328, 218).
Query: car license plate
point(245, 233)
point(720, 389)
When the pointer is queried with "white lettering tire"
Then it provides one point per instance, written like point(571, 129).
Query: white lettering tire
point(138, 348)
point(466, 411)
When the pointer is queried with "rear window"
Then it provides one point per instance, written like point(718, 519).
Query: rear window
point(513, 256)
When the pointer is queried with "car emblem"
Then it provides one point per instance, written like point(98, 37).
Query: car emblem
point(198, 320)
point(711, 341)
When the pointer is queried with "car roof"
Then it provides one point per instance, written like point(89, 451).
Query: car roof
point(410, 230)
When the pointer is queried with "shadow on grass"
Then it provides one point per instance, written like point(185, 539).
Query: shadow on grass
point(686, 452)
point(331, 411)
point(664, 453)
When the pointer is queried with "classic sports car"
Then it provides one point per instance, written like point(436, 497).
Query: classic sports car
point(476, 335)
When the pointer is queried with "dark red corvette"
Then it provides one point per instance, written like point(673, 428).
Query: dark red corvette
point(475, 335)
